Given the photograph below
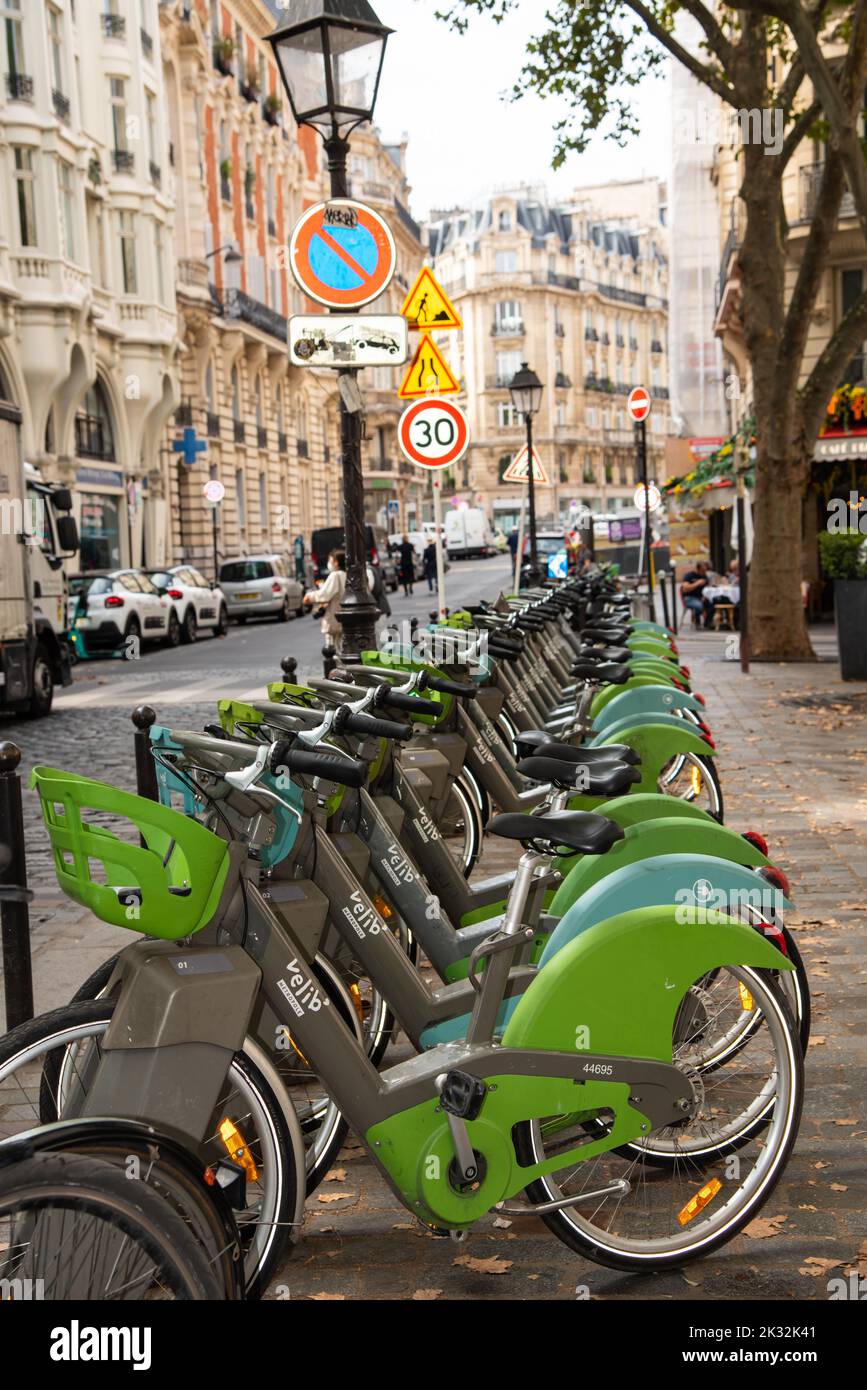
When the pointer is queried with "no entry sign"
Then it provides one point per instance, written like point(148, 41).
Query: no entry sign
point(433, 433)
point(342, 254)
point(639, 404)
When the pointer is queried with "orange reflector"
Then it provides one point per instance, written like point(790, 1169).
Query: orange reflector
point(382, 906)
point(357, 1001)
point(746, 998)
point(695, 779)
point(238, 1150)
point(699, 1201)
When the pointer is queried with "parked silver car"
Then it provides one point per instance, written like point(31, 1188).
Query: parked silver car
point(259, 586)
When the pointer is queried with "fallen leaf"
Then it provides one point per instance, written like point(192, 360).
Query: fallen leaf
point(817, 1266)
point(501, 1223)
point(816, 1041)
point(493, 1265)
point(426, 1295)
point(328, 1297)
point(806, 1207)
point(333, 1196)
point(839, 1187)
point(845, 1122)
point(764, 1226)
point(336, 1175)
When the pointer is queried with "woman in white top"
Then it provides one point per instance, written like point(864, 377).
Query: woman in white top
point(329, 598)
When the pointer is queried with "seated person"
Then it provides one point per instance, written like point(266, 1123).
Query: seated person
point(731, 578)
point(692, 586)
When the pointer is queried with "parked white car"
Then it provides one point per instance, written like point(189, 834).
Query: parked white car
point(259, 586)
point(196, 604)
point(106, 610)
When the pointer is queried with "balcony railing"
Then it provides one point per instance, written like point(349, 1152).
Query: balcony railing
point(498, 381)
point(114, 26)
point(225, 189)
point(633, 344)
point(61, 106)
point(272, 227)
point(147, 43)
point(19, 86)
point(250, 210)
point(656, 346)
point(559, 330)
point(123, 161)
point(240, 431)
point(590, 335)
point(261, 436)
point(383, 466)
point(594, 383)
point(92, 438)
point(508, 328)
point(184, 416)
point(213, 425)
point(237, 305)
point(620, 341)
point(156, 174)
point(563, 381)
point(811, 180)
point(303, 449)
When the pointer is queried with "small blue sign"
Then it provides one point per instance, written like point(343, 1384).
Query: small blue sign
point(190, 446)
point(558, 565)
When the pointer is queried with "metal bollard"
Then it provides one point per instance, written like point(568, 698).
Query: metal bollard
point(289, 667)
point(664, 593)
point(329, 660)
point(145, 768)
point(673, 577)
point(14, 914)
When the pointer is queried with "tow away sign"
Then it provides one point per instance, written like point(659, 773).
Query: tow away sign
point(348, 340)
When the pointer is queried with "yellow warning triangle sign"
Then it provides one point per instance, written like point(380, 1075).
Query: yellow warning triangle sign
point(428, 374)
point(428, 306)
point(518, 470)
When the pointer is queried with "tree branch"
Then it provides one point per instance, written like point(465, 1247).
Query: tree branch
point(825, 376)
point(799, 129)
point(814, 261)
point(699, 70)
point(717, 40)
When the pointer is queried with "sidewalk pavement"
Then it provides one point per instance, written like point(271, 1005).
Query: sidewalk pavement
point(792, 750)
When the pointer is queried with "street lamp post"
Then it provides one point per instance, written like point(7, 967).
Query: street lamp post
point(330, 60)
point(526, 392)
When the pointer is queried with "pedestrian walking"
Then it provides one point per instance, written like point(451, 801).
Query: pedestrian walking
point(328, 599)
point(407, 566)
point(513, 543)
point(379, 594)
point(430, 565)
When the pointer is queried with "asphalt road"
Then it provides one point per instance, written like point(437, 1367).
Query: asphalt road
point(242, 663)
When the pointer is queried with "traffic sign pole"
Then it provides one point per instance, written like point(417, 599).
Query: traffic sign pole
point(531, 493)
point(519, 554)
point(641, 440)
point(438, 523)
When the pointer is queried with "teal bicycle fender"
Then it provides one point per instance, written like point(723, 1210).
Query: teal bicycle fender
point(658, 699)
point(669, 878)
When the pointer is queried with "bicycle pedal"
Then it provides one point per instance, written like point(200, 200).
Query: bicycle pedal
point(462, 1095)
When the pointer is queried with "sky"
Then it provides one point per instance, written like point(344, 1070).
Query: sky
point(445, 92)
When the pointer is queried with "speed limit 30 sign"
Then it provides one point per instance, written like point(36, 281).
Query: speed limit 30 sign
point(433, 432)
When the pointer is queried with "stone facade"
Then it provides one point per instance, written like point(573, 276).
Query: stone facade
point(583, 299)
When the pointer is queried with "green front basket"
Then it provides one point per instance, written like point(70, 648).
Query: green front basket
point(167, 888)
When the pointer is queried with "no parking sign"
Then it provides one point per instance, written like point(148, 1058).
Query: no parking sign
point(342, 254)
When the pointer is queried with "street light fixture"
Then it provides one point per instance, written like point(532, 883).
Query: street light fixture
point(330, 59)
point(526, 390)
point(233, 255)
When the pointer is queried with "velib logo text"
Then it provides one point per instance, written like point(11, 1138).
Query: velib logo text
point(77, 1343)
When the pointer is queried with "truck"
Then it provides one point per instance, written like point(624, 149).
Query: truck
point(37, 533)
point(468, 533)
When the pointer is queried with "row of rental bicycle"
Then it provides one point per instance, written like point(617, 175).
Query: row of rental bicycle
point(614, 1037)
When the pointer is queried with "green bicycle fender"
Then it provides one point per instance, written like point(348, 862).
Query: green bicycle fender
point(661, 699)
point(656, 744)
point(603, 697)
point(643, 625)
point(636, 807)
point(623, 979)
point(669, 878)
point(666, 835)
point(651, 666)
point(649, 646)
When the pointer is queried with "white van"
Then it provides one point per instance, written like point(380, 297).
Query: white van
point(468, 534)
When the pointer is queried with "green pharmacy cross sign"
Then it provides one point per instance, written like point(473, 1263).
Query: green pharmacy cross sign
point(189, 446)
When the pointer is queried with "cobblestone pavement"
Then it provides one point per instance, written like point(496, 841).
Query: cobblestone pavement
point(793, 756)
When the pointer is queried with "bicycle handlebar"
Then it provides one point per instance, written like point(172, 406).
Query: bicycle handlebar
point(444, 687)
point(334, 767)
point(352, 723)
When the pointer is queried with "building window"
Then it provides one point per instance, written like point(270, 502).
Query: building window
point(55, 45)
point(263, 501)
point(127, 253)
point(506, 262)
point(504, 221)
point(159, 258)
point(13, 44)
point(153, 136)
point(236, 395)
point(26, 196)
point(94, 436)
point(239, 492)
point(508, 363)
point(507, 416)
point(66, 199)
point(507, 315)
point(100, 532)
point(118, 122)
